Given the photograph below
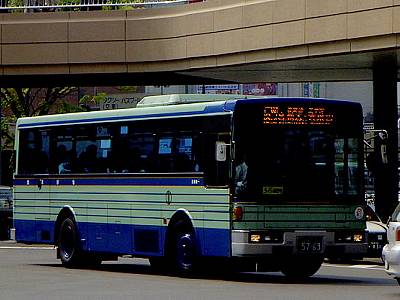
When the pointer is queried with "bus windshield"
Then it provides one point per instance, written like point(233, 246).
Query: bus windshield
point(296, 163)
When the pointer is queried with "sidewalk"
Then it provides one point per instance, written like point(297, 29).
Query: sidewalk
point(14, 244)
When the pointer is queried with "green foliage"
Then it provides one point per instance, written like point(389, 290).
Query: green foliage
point(128, 89)
point(89, 101)
point(29, 102)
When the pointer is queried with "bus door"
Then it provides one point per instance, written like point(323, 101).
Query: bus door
point(41, 186)
point(217, 176)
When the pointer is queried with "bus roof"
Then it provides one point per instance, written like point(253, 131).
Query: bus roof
point(163, 100)
point(146, 112)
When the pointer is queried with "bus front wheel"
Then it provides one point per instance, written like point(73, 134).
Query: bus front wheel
point(184, 252)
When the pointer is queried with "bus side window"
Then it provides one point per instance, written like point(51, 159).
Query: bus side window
point(34, 155)
point(141, 152)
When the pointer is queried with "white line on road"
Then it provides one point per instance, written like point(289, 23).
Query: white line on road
point(368, 267)
point(27, 247)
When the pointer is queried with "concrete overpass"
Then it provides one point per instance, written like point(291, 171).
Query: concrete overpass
point(218, 40)
point(228, 40)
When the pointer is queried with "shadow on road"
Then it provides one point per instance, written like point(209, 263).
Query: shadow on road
point(249, 277)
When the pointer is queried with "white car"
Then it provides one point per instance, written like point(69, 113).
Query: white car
point(391, 252)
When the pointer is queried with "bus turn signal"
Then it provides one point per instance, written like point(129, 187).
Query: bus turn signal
point(237, 213)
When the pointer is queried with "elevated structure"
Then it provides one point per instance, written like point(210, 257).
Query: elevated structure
point(217, 41)
point(229, 40)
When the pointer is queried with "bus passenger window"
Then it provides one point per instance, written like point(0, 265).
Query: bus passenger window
point(184, 155)
point(141, 152)
point(88, 158)
point(34, 155)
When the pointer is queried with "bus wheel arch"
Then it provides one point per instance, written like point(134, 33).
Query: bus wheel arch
point(65, 212)
point(180, 244)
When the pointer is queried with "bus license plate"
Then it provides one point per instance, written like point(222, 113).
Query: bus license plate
point(309, 244)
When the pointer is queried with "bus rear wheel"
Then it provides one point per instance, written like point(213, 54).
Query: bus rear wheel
point(68, 245)
point(299, 267)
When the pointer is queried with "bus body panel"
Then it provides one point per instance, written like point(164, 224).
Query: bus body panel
point(124, 215)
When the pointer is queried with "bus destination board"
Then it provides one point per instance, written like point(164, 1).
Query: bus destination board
point(297, 115)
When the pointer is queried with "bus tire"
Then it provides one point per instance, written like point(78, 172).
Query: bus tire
point(398, 280)
point(184, 253)
point(299, 267)
point(68, 244)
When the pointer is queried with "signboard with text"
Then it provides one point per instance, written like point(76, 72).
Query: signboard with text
point(119, 101)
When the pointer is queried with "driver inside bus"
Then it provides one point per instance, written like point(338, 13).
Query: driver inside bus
point(241, 174)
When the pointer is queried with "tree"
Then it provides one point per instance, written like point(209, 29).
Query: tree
point(29, 102)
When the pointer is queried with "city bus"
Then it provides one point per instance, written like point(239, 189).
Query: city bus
point(270, 183)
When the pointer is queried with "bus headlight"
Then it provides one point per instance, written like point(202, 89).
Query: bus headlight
point(358, 238)
point(255, 238)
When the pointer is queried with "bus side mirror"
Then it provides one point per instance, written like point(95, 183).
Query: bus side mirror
point(383, 137)
point(378, 157)
point(220, 151)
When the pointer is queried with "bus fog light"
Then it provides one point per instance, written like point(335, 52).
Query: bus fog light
point(255, 238)
point(358, 237)
point(267, 238)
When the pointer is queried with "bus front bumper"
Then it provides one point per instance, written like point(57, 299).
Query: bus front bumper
point(327, 247)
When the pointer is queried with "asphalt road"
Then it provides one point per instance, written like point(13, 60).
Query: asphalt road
point(34, 273)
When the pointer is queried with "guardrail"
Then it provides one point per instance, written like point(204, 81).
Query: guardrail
point(76, 5)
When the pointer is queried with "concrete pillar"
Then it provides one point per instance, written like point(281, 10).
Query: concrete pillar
point(385, 117)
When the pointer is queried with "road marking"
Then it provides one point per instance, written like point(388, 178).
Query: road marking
point(366, 267)
point(27, 247)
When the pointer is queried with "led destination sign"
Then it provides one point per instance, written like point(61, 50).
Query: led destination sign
point(297, 115)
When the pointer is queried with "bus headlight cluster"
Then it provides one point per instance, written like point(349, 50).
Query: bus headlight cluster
point(349, 237)
point(266, 237)
point(358, 238)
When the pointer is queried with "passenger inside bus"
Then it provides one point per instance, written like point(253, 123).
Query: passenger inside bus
point(64, 161)
point(88, 159)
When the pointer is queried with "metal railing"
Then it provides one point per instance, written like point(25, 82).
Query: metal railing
point(76, 5)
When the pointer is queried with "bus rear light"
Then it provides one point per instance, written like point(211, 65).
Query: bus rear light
point(237, 213)
point(397, 236)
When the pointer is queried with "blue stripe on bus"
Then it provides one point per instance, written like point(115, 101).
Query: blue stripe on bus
point(211, 109)
point(120, 239)
point(191, 181)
